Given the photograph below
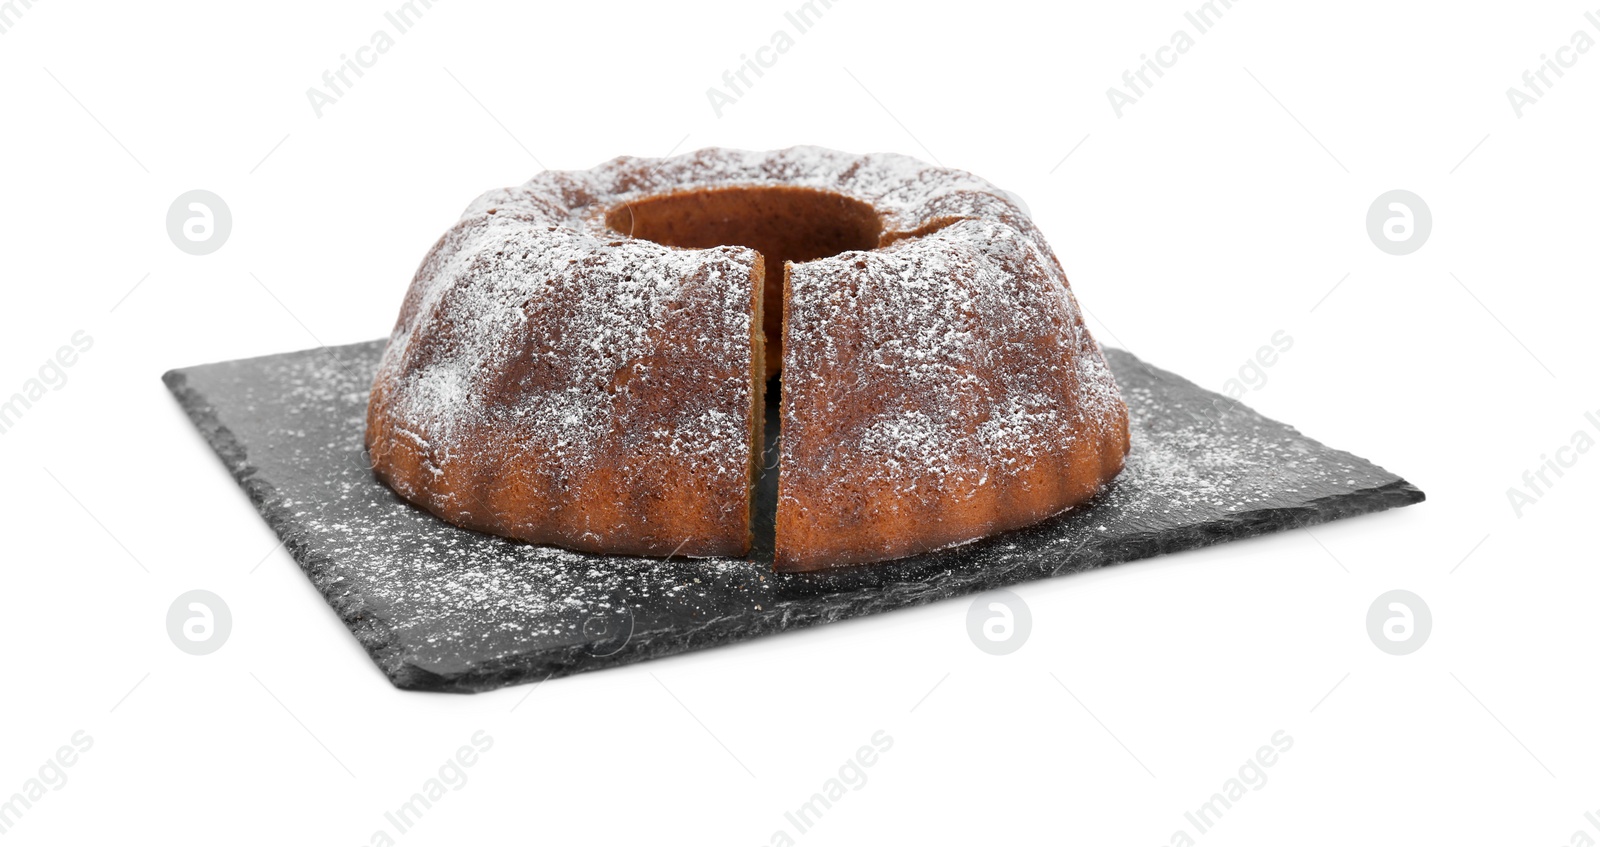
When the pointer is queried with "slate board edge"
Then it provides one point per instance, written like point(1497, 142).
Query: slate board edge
point(366, 621)
point(363, 621)
point(554, 664)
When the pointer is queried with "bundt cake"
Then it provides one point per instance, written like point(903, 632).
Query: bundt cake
point(582, 361)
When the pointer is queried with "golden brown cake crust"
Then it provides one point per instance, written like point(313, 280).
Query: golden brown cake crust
point(554, 380)
point(545, 385)
point(936, 391)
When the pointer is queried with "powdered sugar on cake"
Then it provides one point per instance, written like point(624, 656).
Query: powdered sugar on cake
point(536, 315)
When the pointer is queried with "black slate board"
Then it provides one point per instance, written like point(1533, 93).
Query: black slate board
point(447, 609)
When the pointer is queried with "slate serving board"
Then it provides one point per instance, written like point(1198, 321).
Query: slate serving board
point(447, 609)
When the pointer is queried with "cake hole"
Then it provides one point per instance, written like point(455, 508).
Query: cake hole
point(782, 223)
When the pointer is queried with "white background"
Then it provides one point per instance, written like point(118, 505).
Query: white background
point(1219, 209)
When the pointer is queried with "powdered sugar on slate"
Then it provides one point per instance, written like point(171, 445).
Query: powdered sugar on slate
point(440, 607)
